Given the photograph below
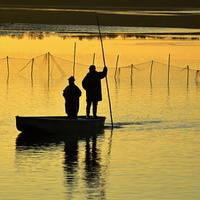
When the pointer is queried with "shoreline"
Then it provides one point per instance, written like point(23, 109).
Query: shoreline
point(70, 17)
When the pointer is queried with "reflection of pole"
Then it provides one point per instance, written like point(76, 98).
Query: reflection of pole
point(188, 71)
point(151, 70)
point(116, 66)
point(168, 78)
point(74, 59)
point(104, 60)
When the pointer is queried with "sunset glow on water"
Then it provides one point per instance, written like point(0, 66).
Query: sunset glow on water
point(153, 151)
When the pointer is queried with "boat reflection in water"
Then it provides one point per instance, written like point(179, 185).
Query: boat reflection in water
point(82, 163)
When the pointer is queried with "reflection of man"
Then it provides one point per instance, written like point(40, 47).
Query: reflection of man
point(92, 84)
point(71, 94)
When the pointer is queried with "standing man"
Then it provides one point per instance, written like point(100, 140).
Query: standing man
point(92, 84)
point(71, 94)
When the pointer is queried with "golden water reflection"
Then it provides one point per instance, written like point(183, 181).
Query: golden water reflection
point(130, 50)
point(84, 163)
point(156, 150)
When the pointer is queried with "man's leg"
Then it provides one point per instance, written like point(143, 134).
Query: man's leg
point(95, 103)
point(88, 108)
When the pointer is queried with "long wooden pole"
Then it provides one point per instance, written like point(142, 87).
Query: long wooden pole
point(93, 59)
point(74, 59)
point(104, 61)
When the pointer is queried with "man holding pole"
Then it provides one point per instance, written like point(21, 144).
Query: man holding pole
point(92, 84)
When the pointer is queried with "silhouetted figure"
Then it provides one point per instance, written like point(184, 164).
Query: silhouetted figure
point(71, 94)
point(92, 84)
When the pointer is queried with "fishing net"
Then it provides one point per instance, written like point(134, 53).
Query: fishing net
point(48, 68)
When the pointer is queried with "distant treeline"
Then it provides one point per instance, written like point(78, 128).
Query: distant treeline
point(104, 3)
point(81, 36)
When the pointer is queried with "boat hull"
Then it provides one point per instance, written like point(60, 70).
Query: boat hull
point(59, 124)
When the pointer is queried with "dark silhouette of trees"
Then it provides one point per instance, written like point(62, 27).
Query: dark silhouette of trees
point(104, 3)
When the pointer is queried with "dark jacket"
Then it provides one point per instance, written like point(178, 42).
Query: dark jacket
point(92, 84)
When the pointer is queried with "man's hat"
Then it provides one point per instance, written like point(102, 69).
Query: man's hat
point(92, 67)
point(71, 78)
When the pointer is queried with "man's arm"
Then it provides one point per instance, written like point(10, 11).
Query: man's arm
point(104, 72)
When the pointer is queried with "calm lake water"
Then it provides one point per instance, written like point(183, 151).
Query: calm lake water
point(153, 151)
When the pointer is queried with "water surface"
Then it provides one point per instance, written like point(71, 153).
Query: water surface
point(153, 151)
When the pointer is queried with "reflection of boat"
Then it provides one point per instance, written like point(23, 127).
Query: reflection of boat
point(82, 161)
point(59, 124)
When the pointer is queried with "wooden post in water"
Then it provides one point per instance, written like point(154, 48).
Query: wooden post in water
point(197, 75)
point(188, 74)
point(48, 65)
point(168, 76)
point(8, 69)
point(74, 64)
point(8, 66)
point(116, 66)
point(32, 64)
point(151, 70)
point(132, 66)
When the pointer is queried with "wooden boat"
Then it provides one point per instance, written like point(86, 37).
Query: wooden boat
point(59, 124)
